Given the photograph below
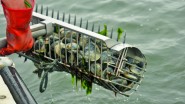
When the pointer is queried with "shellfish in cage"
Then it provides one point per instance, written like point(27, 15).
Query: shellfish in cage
point(107, 58)
point(108, 73)
point(120, 84)
point(39, 45)
point(83, 40)
point(92, 52)
point(59, 49)
point(72, 46)
point(96, 69)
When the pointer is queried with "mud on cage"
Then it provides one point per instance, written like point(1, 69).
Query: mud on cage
point(91, 57)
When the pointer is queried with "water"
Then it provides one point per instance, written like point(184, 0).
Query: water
point(155, 27)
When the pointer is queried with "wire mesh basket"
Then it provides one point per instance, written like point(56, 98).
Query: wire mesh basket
point(89, 56)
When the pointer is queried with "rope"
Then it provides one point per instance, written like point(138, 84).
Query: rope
point(46, 67)
point(44, 82)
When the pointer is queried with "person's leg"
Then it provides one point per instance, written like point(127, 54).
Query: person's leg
point(18, 33)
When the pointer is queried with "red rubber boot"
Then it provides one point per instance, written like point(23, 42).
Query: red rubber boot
point(18, 33)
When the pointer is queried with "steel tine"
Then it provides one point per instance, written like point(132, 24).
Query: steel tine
point(25, 59)
point(75, 20)
point(63, 18)
point(111, 33)
point(87, 24)
point(49, 48)
point(54, 50)
point(99, 29)
point(93, 27)
point(47, 11)
point(52, 15)
point(58, 15)
point(101, 61)
point(124, 39)
point(117, 38)
point(65, 46)
point(71, 50)
point(89, 40)
point(77, 47)
point(95, 53)
point(36, 8)
point(69, 19)
point(41, 11)
point(81, 22)
point(19, 55)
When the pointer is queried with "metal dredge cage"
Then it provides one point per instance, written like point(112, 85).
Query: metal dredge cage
point(89, 56)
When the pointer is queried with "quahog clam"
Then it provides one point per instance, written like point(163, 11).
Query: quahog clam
point(96, 69)
point(120, 84)
point(107, 57)
point(71, 58)
point(108, 73)
point(92, 52)
point(59, 49)
point(83, 40)
point(71, 34)
point(39, 45)
point(72, 46)
point(130, 76)
point(135, 70)
point(53, 38)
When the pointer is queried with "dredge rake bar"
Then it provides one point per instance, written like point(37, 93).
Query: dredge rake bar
point(89, 56)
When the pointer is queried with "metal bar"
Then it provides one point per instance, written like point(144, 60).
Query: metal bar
point(41, 11)
point(71, 39)
point(44, 28)
point(65, 45)
point(111, 33)
point(3, 42)
point(101, 64)
point(28, 57)
point(71, 27)
point(39, 33)
point(69, 19)
point(75, 20)
point(99, 28)
point(93, 27)
point(58, 15)
point(52, 14)
point(47, 11)
point(36, 8)
point(63, 18)
point(81, 22)
point(59, 33)
point(17, 87)
point(95, 56)
point(54, 49)
point(124, 39)
point(87, 25)
point(77, 37)
point(37, 27)
point(89, 52)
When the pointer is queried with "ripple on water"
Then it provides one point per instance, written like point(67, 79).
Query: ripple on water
point(155, 26)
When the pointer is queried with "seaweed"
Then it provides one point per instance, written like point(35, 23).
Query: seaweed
point(104, 32)
point(120, 31)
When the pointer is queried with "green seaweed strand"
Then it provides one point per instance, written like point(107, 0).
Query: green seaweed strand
point(120, 31)
point(104, 31)
point(73, 79)
point(27, 4)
